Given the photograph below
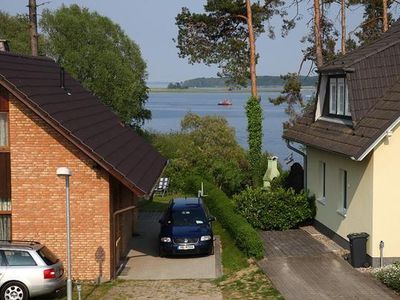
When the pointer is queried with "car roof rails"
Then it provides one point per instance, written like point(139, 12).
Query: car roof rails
point(26, 242)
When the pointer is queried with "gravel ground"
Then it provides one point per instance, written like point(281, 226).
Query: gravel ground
point(165, 290)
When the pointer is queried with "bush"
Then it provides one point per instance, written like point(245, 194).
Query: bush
point(389, 275)
point(277, 209)
point(244, 235)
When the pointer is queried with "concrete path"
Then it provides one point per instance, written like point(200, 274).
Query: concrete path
point(145, 264)
point(302, 268)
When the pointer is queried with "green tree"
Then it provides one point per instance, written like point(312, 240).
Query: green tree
point(205, 146)
point(98, 53)
point(15, 29)
point(221, 36)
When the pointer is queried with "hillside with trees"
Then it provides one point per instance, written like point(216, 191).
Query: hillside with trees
point(217, 82)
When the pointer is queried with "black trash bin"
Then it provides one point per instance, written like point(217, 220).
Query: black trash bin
point(358, 249)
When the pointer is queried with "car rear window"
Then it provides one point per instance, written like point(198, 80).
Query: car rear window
point(19, 258)
point(48, 257)
point(188, 217)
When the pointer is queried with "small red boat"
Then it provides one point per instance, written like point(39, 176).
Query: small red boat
point(225, 102)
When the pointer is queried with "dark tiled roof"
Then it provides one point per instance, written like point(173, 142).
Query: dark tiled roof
point(120, 150)
point(373, 77)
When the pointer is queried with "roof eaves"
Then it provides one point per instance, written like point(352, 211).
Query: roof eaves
point(386, 132)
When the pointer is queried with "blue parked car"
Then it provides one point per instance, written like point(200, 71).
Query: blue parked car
point(186, 228)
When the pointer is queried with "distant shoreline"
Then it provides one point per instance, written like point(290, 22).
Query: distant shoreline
point(222, 90)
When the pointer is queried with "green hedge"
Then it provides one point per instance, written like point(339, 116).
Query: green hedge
point(278, 209)
point(245, 236)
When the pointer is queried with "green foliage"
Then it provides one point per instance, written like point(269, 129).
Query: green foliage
point(389, 275)
point(372, 25)
point(99, 54)
point(176, 85)
point(277, 209)
point(291, 95)
point(255, 133)
point(202, 147)
point(220, 35)
point(15, 29)
point(262, 81)
point(246, 237)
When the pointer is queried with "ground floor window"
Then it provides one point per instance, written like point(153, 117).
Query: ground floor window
point(343, 192)
point(5, 227)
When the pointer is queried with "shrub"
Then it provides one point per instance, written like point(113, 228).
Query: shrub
point(277, 209)
point(389, 275)
point(245, 236)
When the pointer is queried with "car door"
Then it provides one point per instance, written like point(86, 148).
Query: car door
point(3, 268)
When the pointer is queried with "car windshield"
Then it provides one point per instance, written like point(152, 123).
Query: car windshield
point(188, 217)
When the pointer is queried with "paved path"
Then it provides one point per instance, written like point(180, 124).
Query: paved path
point(302, 268)
point(145, 264)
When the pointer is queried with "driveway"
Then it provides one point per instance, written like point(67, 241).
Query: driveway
point(145, 264)
point(302, 268)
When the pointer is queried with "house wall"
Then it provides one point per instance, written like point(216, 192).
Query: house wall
point(38, 195)
point(358, 217)
point(386, 211)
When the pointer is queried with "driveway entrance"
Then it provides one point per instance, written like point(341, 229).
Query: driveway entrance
point(144, 263)
point(302, 268)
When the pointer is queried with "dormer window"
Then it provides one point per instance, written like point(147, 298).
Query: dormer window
point(337, 96)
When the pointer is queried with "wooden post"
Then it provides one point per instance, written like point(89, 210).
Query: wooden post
point(385, 16)
point(252, 43)
point(33, 26)
point(317, 33)
point(343, 12)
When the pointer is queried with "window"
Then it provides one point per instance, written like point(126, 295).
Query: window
point(343, 192)
point(19, 258)
point(322, 182)
point(48, 257)
point(338, 97)
point(3, 129)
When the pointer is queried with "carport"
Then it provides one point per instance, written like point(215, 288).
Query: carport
point(143, 262)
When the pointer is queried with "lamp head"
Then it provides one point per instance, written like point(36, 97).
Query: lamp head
point(63, 171)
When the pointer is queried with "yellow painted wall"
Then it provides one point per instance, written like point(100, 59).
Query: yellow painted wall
point(386, 193)
point(360, 192)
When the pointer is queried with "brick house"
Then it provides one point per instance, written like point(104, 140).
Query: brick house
point(352, 141)
point(48, 120)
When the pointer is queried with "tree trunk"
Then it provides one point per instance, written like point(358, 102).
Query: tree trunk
point(33, 27)
point(385, 16)
point(343, 13)
point(317, 33)
point(252, 43)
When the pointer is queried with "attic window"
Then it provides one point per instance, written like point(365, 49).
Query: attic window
point(338, 97)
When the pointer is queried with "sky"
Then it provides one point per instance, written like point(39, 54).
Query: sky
point(151, 24)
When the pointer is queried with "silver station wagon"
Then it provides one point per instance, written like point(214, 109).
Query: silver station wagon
point(28, 269)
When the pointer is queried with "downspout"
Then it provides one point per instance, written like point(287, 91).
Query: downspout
point(304, 161)
point(114, 248)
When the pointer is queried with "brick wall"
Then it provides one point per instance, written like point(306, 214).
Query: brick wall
point(38, 195)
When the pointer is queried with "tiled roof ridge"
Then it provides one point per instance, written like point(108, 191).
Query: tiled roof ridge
point(26, 56)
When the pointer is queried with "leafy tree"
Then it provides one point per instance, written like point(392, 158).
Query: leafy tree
point(205, 146)
point(15, 29)
point(101, 56)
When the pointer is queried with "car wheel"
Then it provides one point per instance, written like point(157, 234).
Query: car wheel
point(211, 252)
point(14, 291)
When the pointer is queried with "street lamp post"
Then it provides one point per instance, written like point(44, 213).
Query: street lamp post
point(65, 172)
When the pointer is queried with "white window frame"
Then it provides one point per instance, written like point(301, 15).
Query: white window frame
point(4, 135)
point(338, 99)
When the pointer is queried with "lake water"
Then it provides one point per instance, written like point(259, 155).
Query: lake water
point(168, 109)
